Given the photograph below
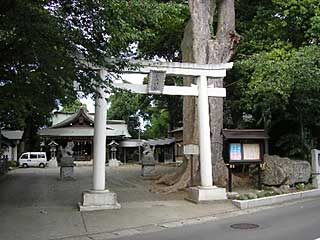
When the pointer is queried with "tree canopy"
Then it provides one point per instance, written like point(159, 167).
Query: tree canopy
point(275, 81)
point(45, 47)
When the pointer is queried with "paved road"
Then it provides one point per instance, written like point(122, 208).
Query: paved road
point(300, 221)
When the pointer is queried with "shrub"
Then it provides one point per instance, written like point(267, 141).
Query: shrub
point(11, 164)
point(243, 197)
point(252, 196)
point(261, 194)
point(300, 186)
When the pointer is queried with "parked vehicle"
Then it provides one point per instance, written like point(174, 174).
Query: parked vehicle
point(33, 159)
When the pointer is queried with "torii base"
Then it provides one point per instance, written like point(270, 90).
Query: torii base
point(98, 200)
point(205, 194)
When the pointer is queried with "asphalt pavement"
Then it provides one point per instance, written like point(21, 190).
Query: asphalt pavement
point(35, 204)
point(294, 221)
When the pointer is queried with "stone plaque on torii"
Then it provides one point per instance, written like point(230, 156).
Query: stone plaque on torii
point(99, 197)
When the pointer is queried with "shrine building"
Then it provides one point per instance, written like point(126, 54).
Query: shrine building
point(78, 127)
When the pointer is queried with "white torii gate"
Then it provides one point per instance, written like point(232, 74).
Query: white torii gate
point(101, 198)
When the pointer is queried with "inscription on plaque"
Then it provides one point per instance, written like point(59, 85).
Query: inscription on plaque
point(156, 82)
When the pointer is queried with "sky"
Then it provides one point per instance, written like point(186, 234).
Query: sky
point(132, 78)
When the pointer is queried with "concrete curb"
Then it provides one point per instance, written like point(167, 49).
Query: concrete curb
point(252, 203)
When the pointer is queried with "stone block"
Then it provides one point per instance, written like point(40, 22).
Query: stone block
point(67, 173)
point(279, 171)
point(148, 170)
point(98, 200)
point(315, 168)
point(204, 194)
point(67, 161)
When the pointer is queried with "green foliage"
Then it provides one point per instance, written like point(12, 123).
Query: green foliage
point(243, 197)
point(277, 74)
point(261, 194)
point(35, 68)
point(280, 90)
point(269, 24)
point(300, 186)
point(166, 28)
point(129, 107)
point(252, 195)
point(45, 46)
point(11, 164)
point(158, 126)
point(74, 106)
point(135, 108)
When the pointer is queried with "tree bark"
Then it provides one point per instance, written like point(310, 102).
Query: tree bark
point(214, 50)
point(200, 45)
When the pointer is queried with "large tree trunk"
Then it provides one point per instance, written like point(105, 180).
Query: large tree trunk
point(200, 45)
point(214, 50)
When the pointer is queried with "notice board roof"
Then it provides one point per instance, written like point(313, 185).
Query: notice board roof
point(245, 134)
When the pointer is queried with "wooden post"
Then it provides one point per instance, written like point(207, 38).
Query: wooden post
point(259, 177)
point(191, 162)
point(229, 178)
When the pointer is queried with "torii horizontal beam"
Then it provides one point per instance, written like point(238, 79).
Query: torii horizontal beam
point(172, 90)
point(174, 68)
point(181, 69)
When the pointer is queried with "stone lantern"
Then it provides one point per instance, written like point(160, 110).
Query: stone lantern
point(113, 162)
point(53, 149)
point(53, 158)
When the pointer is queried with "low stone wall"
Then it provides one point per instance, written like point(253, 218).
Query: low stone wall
point(253, 203)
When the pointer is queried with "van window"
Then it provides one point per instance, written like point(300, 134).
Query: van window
point(24, 156)
point(34, 156)
point(41, 155)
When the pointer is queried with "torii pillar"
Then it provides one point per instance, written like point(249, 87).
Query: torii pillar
point(206, 191)
point(99, 198)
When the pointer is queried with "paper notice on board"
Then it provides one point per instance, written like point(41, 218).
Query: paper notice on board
point(251, 151)
point(235, 151)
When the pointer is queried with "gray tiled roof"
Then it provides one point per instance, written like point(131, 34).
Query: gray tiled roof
point(112, 131)
point(12, 134)
point(63, 128)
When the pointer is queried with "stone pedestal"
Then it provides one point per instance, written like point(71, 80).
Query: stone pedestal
point(98, 200)
point(114, 163)
point(66, 173)
point(315, 168)
point(204, 194)
point(148, 170)
point(66, 169)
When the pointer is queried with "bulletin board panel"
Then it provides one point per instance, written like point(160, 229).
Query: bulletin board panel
point(245, 152)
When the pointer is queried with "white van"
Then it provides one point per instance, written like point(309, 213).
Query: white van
point(33, 159)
